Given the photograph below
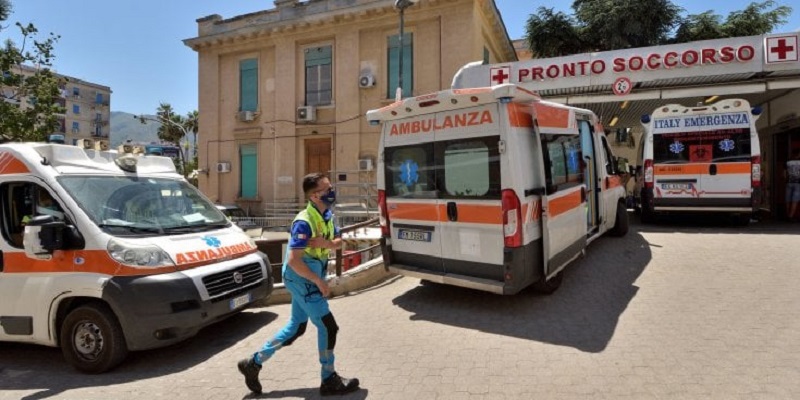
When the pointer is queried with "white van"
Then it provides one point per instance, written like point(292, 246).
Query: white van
point(703, 159)
point(105, 252)
point(492, 188)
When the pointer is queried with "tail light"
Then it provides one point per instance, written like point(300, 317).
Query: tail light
point(755, 168)
point(648, 174)
point(512, 219)
point(383, 214)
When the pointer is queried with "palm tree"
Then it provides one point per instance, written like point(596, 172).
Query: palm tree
point(5, 10)
point(171, 130)
point(191, 124)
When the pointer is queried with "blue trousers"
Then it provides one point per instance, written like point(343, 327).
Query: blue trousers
point(307, 303)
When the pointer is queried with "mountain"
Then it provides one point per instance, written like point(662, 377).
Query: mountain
point(125, 126)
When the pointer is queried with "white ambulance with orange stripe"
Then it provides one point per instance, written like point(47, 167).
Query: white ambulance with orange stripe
point(103, 252)
point(492, 188)
point(704, 159)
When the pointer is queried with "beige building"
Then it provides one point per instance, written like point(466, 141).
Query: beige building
point(86, 107)
point(283, 92)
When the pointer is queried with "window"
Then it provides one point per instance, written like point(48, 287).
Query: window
point(318, 76)
point(76, 109)
point(248, 85)
point(411, 171)
point(98, 98)
point(485, 55)
point(248, 156)
point(76, 91)
point(564, 163)
point(22, 201)
point(394, 65)
point(76, 126)
point(472, 168)
point(723, 145)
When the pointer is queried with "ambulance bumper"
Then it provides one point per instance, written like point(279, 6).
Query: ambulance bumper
point(157, 311)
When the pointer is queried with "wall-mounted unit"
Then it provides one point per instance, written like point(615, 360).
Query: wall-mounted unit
point(85, 143)
point(365, 164)
point(223, 167)
point(246, 116)
point(306, 114)
point(366, 80)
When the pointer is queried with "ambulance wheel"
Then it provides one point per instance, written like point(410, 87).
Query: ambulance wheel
point(648, 216)
point(549, 286)
point(92, 340)
point(621, 222)
point(741, 219)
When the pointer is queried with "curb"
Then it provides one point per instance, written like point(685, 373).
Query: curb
point(363, 276)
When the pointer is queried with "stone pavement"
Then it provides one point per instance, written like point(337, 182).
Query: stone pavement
point(686, 311)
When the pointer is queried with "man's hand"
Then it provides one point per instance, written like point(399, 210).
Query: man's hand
point(319, 242)
point(323, 288)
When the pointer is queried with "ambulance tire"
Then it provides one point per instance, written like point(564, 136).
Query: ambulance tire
point(621, 222)
point(92, 340)
point(647, 217)
point(549, 286)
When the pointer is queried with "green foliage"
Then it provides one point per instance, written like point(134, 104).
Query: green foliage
point(29, 90)
point(601, 25)
point(5, 10)
point(561, 35)
point(171, 130)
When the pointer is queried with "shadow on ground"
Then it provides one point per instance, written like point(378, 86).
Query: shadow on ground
point(31, 367)
point(307, 393)
point(582, 314)
point(714, 223)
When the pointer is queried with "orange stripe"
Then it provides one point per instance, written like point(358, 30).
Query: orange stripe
point(472, 90)
point(563, 204)
point(478, 214)
point(519, 115)
point(11, 165)
point(416, 211)
point(471, 213)
point(702, 169)
point(549, 116)
point(93, 261)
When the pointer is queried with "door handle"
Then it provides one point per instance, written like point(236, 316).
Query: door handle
point(452, 211)
point(583, 194)
point(712, 169)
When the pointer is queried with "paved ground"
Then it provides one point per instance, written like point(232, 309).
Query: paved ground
point(686, 311)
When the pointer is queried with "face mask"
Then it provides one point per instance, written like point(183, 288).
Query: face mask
point(329, 198)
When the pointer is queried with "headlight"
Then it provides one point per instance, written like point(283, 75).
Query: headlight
point(138, 255)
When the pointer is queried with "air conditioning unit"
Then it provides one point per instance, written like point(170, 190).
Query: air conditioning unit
point(365, 164)
point(306, 114)
point(85, 143)
point(223, 167)
point(247, 116)
point(101, 145)
point(366, 80)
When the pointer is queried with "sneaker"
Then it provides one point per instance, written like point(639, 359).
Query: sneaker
point(250, 370)
point(335, 384)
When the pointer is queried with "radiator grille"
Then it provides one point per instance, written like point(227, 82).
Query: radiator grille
point(223, 283)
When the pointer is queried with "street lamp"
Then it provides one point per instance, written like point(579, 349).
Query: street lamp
point(163, 120)
point(401, 6)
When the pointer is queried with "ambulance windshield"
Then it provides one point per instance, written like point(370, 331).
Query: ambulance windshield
point(135, 206)
point(713, 146)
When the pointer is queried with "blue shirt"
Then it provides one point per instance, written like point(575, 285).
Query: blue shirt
point(301, 231)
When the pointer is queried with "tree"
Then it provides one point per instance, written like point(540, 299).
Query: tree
point(172, 125)
point(29, 90)
point(755, 20)
point(191, 123)
point(702, 26)
point(622, 24)
point(551, 34)
point(5, 11)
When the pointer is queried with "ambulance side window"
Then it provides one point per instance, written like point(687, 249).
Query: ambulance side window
point(609, 157)
point(563, 160)
point(21, 201)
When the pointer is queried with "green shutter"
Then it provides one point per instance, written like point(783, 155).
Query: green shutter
point(394, 65)
point(248, 85)
point(318, 56)
point(249, 161)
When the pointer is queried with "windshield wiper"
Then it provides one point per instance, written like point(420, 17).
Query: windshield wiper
point(195, 228)
point(133, 228)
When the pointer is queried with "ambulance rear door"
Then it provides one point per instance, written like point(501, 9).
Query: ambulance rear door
point(468, 149)
point(412, 203)
point(564, 204)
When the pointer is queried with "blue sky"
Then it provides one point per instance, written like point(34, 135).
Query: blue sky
point(136, 48)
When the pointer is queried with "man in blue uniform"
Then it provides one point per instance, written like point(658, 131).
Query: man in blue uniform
point(313, 237)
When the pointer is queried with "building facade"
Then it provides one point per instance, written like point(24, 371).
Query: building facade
point(86, 107)
point(283, 92)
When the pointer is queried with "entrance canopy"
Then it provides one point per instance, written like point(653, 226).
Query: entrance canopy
point(622, 85)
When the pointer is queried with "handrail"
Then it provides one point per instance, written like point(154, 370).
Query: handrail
point(351, 228)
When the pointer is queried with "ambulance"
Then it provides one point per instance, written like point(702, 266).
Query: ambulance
point(106, 252)
point(703, 159)
point(493, 188)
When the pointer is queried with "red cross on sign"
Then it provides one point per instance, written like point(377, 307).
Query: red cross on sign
point(781, 49)
point(500, 75)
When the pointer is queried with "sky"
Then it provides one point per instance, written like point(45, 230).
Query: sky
point(136, 48)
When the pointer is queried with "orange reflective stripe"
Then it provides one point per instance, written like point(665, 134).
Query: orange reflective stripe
point(478, 214)
point(519, 115)
point(563, 204)
point(468, 213)
point(553, 117)
point(700, 169)
point(11, 165)
point(415, 211)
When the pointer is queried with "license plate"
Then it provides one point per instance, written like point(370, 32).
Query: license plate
point(418, 236)
point(237, 302)
point(675, 186)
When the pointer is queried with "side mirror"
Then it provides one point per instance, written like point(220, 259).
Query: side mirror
point(622, 165)
point(45, 234)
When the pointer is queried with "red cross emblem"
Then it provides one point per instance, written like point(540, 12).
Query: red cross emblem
point(781, 49)
point(500, 75)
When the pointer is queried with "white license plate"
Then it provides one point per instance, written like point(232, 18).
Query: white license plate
point(237, 302)
point(675, 186)
point(418, 236)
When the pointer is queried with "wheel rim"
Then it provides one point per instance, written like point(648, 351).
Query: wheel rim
point(87, 339)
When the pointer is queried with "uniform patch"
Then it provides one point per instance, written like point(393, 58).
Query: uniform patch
point(301, 236)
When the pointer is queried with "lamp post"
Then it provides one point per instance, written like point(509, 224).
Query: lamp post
point(401, 6)
point(162, 120)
